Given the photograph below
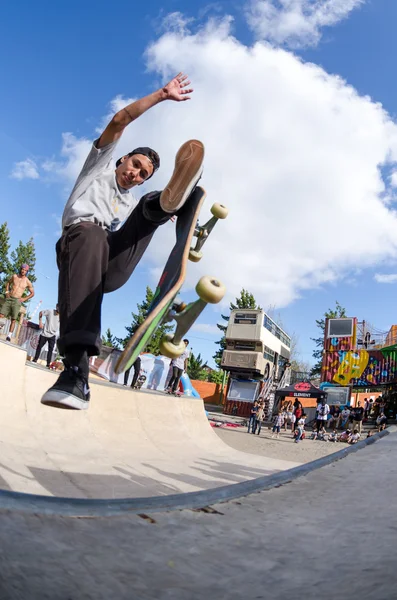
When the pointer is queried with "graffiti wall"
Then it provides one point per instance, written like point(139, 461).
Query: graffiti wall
point(360, 367)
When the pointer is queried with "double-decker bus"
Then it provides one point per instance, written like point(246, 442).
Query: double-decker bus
point(255, 345)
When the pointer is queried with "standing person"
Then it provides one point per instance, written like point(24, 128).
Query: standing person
point(260, 415)
point(12, 304)
point(251, 422)
point(49, 332)
point(301, 427)
point(278, 421)
point(298, 410)
point(358, 415)
point(105, 233)
point(322, 415)
point(137, 367)
point(179, 365)
point(366, 408)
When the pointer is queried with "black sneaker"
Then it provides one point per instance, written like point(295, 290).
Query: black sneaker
point(70, 391)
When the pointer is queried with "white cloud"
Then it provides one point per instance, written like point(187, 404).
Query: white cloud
point(295, 153)
point(25, 169)
point(389, 278)
point(296, 23)
point(206, 328)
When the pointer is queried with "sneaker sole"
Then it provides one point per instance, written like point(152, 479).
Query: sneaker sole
point(187, 172)
point(58, 399)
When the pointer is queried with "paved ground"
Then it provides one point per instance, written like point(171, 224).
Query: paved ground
point(329, 534)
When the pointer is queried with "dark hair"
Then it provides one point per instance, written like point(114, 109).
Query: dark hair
point(186, 341)
point(149, 153)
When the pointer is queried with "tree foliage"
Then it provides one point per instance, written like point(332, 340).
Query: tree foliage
point(196, 368)
point(138, 318)
point(245, 300)
point(216, 377)
point(110, 340)
point(5, 265)
point(337, 313)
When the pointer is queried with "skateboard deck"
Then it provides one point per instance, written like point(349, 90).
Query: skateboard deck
point(170, 281)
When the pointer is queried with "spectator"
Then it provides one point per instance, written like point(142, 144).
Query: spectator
point(354, 437)
point(366, 408)
point(345, 436)
point(335, 414)
point(301, 428)
point(251, 422)
point(344, 420)
point(50, 329)
point(278, 421)
point(293, 421)
point(298, 410)
point(260, 415)
point(333, 437)
point(381, 421)
point(179, 365)
point(322, 414)
point(358, 415)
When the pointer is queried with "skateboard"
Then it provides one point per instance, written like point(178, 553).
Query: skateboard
point(164, 307)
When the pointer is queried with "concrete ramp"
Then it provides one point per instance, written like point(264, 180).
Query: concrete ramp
point(127, 445)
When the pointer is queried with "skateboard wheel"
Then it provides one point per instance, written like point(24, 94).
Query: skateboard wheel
point(195, 256)
point(219, 211)
point(168, 348)
point(210, 290)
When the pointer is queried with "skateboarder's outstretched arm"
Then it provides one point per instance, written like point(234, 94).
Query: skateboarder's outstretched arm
point(177, 90)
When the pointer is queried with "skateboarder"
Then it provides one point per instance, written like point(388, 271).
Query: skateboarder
point(12, 304)
point(48, 335)
point(137, 367)
point(106, 232)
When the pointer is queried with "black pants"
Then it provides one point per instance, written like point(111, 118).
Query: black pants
point(320, 424)
point(92, 262)
point(137, 367)
point(42, 342)
point(174, 381)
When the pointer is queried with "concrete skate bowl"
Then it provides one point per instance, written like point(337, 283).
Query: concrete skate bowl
point(131, 451)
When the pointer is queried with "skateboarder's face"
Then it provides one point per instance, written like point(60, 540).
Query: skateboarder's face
point(23, 272)
point(133, 170)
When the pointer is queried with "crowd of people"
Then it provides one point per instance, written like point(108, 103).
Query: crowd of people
point(331, 423)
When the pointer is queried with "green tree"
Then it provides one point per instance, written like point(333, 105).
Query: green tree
point(245, 300)
point(110, 340)
point(196, 367)
point(337, 313)
point(138, 318)
point(216, 377)
point(5, 266)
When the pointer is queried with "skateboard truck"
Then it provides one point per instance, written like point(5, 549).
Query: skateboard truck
point(210, 291)
point(203, 231)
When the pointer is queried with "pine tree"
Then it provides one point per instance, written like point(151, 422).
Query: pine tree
point(138, 318)
point(338, 313)
point(110, 340)
point(5, 266)
point(246, 300)
point(196, 368)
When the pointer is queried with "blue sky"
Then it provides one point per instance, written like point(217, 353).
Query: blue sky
point(66, 62)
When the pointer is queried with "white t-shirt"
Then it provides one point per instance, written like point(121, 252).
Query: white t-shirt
point(96, 197)
point(51, 325)
point(322, 412)
point(180, 361)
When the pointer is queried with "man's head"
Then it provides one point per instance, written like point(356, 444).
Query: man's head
point(359, 403)
point(24, 269)
point(186, 342)
point(136, 167)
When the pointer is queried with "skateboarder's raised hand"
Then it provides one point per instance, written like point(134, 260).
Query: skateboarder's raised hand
point(177, 89)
